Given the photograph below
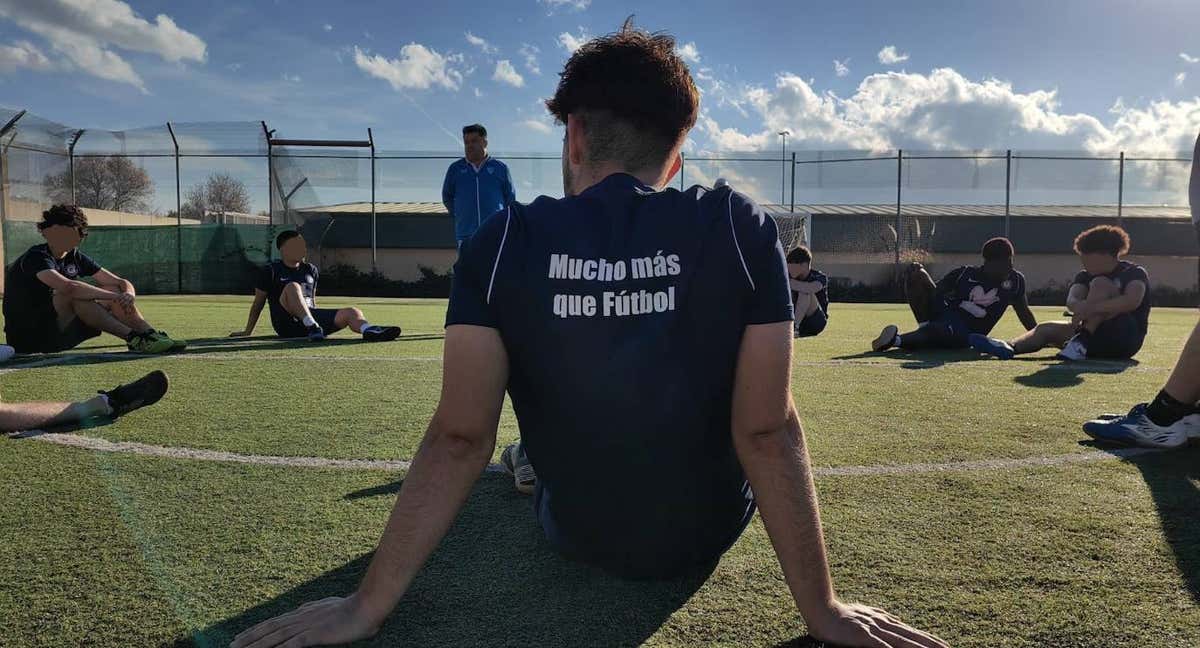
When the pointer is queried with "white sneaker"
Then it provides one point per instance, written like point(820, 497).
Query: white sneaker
point(1074, 350)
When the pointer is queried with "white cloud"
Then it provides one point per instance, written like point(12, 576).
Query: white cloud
point(478, 93)
point(689, 52)
point(506, 73)
point(569, 5)
point(483, 45)
point(944, 110)
point(889, 56)
point(86, 31)
point(530, 52)
point(537, 125)
point(291, 78)
point(1180, 78)
point(327, 27)
point(233, 67)
point(571, 42)
point(417, 68)
point(22, 54)
point(1189, 59)
point(840, 68)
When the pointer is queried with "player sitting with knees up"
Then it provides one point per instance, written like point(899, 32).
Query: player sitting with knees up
point(629, 349)
point(46, 306)
point(970, 299)
point(1109, 302)
point(289, 284)
point(810, 294)
point(108, 405)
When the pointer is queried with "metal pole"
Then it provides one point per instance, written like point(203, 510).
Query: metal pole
point(681, 170)
point(4, 169)
point(270, 178)
point(1007, 189)
point(782, 168)
point(374, 239)
point(899, 175)
point(178, 214)
point(1120, 188)
point(71, 161)
point(793, 208)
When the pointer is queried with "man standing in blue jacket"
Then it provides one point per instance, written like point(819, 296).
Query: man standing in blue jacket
point(476, 185)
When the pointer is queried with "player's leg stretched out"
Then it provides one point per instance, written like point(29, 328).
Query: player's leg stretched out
point(109, 404)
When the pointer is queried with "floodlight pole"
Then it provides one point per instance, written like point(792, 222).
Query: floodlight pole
point(374, 260)
point(899, 175)
point(793, 207)
point(1007, 190)
point(270, 178)
point(71, 160)
point(1121, 189)
point(178, 213)
point(783, 170)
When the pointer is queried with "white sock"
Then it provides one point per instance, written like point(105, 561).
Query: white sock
point(103, 398)
point(922, 325)
point(308, 321)
point(365, 325)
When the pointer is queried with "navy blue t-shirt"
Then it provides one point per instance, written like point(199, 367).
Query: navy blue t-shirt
point(622, 311)
point(275, 276)
point(1124, 274)
point(822, 294)
point(970, 284)
point(27, 301)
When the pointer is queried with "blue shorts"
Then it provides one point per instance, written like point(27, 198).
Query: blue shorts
point(1116, 339)
point(294, 328)
point(812, 325)
point(948, 330)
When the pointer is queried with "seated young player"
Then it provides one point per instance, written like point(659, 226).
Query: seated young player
point(46, 306)
point(1109, 302)
point(289, 284)
point(147, 390)
point(970, 299)
point(810, 294)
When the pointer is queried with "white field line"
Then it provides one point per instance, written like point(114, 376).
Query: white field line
point(126, 447)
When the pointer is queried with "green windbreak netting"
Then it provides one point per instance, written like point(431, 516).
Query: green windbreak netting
point(215, 258)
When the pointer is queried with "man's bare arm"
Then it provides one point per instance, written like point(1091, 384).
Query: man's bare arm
point(1127, 302)
point(80, 290)
point(456, 449)
point(770, 445)
point(806, 287)
point(1025, 314)
point(256, 308)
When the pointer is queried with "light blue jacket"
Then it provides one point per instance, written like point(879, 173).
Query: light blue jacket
point(471, 196)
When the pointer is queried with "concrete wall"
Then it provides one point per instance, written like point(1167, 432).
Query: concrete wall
point(396, 264)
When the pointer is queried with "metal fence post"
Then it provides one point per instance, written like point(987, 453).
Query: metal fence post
point(681, 171)
point(374, 238)
point(178, 214)
point(1007, 191)
point(71, 161)
point(793, 207)
point(1120, 188)
point(4, 174)
point(270, 180)
point(899, 226)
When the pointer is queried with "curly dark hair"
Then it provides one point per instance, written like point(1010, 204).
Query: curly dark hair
point(799, 255)
point(997, 248)
point(69, 215)
point(635, 94)
point(1107, 239)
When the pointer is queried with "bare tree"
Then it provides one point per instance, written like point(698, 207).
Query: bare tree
point(220, 193)
point(113, 182)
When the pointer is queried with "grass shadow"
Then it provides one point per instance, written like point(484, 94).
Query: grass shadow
point(195, 347)
point(923, 359)
point(1056, 375)
point(1173, 477)
point(493, 581)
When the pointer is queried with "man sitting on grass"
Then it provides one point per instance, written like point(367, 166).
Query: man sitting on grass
point(46, 306)
point(147, 390)
point(810, 294)
point(1109, 302)
point(970, 299)
point(651, 383)
point(289, 284)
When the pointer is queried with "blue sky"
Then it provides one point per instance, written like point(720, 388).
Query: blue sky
point(1066, 74)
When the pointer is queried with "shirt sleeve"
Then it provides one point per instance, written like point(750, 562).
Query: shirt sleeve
point(472, 288)
point(763, 261)
point(1019, 293)
point(87, 265)
point(264, 279)
point(36, 261)
point(1136, 273)
point(820, 278)
point(948, 286)
point(510, 196)
point(1082, 278)
point(448, 190)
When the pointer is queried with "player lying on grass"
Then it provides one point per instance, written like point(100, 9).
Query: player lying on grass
point(628, 348)
point(147, 390)
point(1109, 302)
point(970, 299)
point(289, 285)
point(810, 294)
point(46, 306)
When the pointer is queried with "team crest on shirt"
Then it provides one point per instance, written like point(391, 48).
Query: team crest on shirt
point(71, 269)
point(982, 297)
point(489, 170)
point(1006, 284)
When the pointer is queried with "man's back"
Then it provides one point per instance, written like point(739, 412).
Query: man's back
point(622, 311)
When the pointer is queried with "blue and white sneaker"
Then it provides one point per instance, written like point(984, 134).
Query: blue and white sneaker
point(1136, 429)
point(1074, 350)
point(316, 333)
point(991, 346)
